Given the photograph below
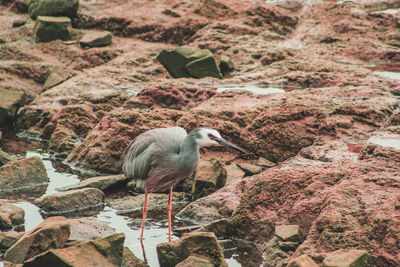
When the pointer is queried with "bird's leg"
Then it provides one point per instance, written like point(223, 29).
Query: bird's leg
point(169, 210)
point(145, 209)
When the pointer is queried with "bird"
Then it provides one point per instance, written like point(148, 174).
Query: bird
point(160, 158)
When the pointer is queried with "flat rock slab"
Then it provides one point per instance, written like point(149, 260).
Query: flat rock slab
point(96, 39)
point(195, 261)
point(101, 252)
point(48, 29)
point(71, 202)
point(11, 216)
point(250, 169)
point(102, 183)
point(10, 102)
point(53, 8)
point(51, 233)
point(57, 75)
point(87, 229)
point(288, 232)
point(348, 258)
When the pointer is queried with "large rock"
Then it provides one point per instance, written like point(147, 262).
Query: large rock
point(9, 238)
point(199, 244)
point(184, 63)
point(57, 75)
point(11, 216)
point(67, 8)
point(87, 229)
point(96, 39)
point(51, 233)
point(102, 183)
point(210, 175)
point(10, 102)
point(23, 176)
point(101, 252)
point(349, 258)
point(52, 28)
point(71, 202)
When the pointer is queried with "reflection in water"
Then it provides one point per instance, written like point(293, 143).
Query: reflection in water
point(32, 214)
point(389, 74)
point(393, 141)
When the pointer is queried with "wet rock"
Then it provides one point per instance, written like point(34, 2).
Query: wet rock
point(220, 204)
point(200, 243)
point(157, 204)
point(101, 252)
point(53, 8)
point(131, 260)
point(9, 238)
point(210, 175)
point(96, 39)
point(57, 75)
point(4, 157)
point(226, 64)
point(288, 232)
point(86, 229)
point(221, 228)
point(10, 102)
point(23, 176)
point(11, 216)
point(55, 229)
point(302, 261)
point(250, 169)
point(195, 261)
point(349, 258)
point(52, 28)
point(71, 202)
point(185, 63)
point(103, 183)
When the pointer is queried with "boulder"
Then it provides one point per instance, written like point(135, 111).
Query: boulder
point(302, 261)
point(57, 75)
point(96, 39)
point(100, 252)
point(26, 176)
point(9, 238)
point(11, 216)
point(195, 261)
point(55, 8)
point(51, 233)
point(48, 29)
point(102, 183)
point(71, 202)
point(199, 244)
point(210, 175)
point(87, 229)
point(288, 232)
point(185, 63)
point(10, 102)
point(349, 258)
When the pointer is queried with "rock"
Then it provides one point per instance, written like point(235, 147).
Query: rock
point(185, 63)
point(130, 260)
point(348, 258)
point(210, 175)
point(11, 216)
point(10, 102)
point(199, 243)
point(96, 39)
point(71, 202)
point(288, 246)
point(18, 23)
point(233, 173)
point(226, 64)
point(195, 261)
point(4, 157)
point(288, 232)
point(101, 252)
point(48, 29)
point(51, 233)
point(250, 169)
point(102, 183)
point(221, 228)
point(9, 238)
point(302, 261)
point(55, 8)
point(273, 255)
point(57, 75)
point(265, 163)
point(26, 176)
point(86, 229)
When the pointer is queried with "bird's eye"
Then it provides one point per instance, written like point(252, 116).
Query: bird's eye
point(211, 136)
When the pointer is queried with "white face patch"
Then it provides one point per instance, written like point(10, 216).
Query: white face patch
point(205, 139)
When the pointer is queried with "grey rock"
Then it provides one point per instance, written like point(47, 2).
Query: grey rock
point(48, 29)
point(96, 39)
point(67, 8)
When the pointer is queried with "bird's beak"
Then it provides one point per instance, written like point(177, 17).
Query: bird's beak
point(222, 141)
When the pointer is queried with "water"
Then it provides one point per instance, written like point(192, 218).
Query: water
point(386, 141)
point(389, 74)
point(155, 232)
point(252, 88)
point(390, 11)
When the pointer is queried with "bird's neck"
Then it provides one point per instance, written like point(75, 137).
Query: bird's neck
point(189, 154)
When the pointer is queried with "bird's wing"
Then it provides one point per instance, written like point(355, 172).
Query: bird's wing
point(138, 156)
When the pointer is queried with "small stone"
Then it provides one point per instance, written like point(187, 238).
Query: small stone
point(221, 228)
point(52, 28)
point(102, 183)
point(265, 163)
point(226, 64)
point(197, 261)
point(96, 39)
point(288, 245)
point(204, 67)
point(10, 102)
point(58, 75)
point(302, 261)
point(288, 232)
point(18, 23)
point(233, 174)
point(348, 258)
point(56, 8)
point(250, 169)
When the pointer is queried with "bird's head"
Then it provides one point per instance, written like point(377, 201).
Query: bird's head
point(211, 137)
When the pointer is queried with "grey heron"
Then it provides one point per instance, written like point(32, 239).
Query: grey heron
point(160, 158)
